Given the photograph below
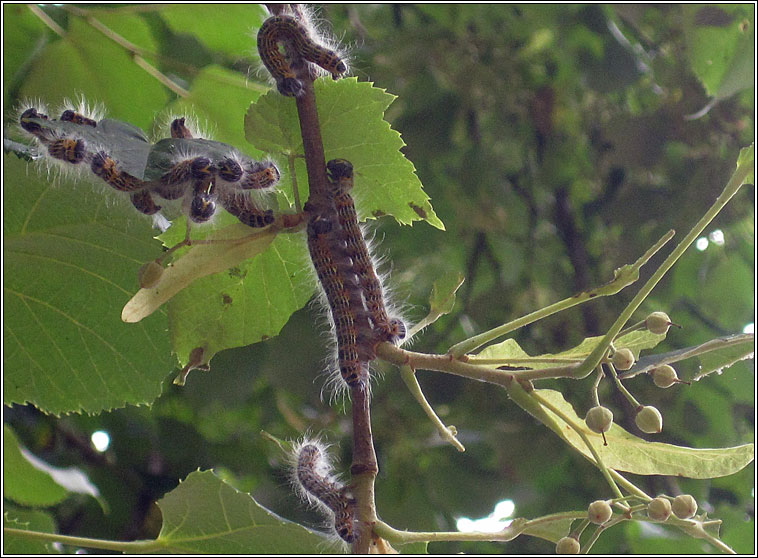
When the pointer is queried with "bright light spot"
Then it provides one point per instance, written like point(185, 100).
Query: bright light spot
point(504, 509)
point(493, 523)
point(701, 243)
point(100, 440)
point(717, 237)
point(749, 328)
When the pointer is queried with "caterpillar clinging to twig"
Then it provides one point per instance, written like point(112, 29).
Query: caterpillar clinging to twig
point(341, 181)
point(317, 485)
point(347, 276)
point(288, 30)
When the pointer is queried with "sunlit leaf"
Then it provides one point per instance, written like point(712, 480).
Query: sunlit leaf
point(635, 341)
point(85, 62)
point(626, 452)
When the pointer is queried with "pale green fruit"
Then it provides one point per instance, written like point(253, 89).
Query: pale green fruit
point(599, 512)
point(649, 420)
point(659, 509)
point(684, 506)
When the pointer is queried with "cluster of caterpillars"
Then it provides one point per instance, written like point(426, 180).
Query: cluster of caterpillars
point(203, 182)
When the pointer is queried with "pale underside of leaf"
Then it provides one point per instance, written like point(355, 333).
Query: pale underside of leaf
point(239, 244)
point(626, 452)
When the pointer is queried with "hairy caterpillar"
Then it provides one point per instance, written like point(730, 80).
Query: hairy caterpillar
point(203, 204)
point(340, 172)
point(73, 116)
point(200, 180)
point(317, 485)
point(106, 168)
point(69, 150)
point(179, 129)
point(288, 30)
point(245, 210)
point(343, 296)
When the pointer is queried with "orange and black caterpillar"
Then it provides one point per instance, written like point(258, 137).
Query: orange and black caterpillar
point(243, 208)
point(340, 173)
point(287, 29)
point(76, 118)
point(328, 492)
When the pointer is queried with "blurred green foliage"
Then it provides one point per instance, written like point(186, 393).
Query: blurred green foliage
point(556, 143)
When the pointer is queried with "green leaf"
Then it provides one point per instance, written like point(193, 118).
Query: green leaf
point(205, 515)
point(223, 113)
point(747, 159)
point(714, 355)
point(232, 246)
point(70, 265)
point(509, 349)
point(721, 44)
point(441, 300)
point(351, 115)
point(205, 21)
point(86, 62)
point(28, 520)
point(22, 482)
point(626, 452)
point(551, 531)
point(22, 31)
point(244, 304)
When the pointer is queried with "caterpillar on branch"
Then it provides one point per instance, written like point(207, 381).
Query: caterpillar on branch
point(299, 46)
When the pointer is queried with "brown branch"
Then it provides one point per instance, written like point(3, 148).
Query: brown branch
point(364, 467)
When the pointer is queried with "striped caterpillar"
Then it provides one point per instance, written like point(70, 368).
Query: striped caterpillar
point(347, 276)
point(317, 485)
point(287, 29)
point(343, 296)
point(340, 174)
point(203, 181)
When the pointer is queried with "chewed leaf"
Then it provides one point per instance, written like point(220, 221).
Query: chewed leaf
point(626, 452)
point(206, 515)
point(248, 303)
point(351, 115)
point(231, 245)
